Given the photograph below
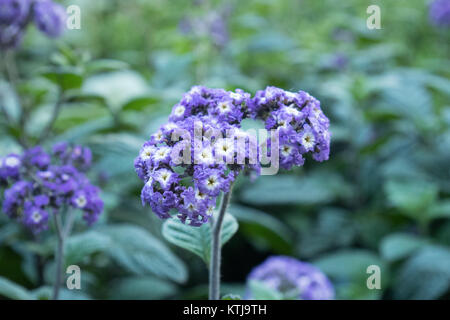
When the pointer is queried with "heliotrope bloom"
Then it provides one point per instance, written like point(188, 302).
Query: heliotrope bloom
point(222, 149)
point(15, 15)
point(39, 185)
point(292, 278)
point(191, 185)
point(439, 12)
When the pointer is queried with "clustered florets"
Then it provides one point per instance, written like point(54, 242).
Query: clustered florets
point(39, 184)
point(15, 15)
point(223, 149)
point(301, 125)
point(292, 278)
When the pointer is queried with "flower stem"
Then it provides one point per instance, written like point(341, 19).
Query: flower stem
point(216, 246)
point(59, 255)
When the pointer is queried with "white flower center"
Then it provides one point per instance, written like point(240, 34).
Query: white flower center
point(206, 156)
point(212, 182)
point(170, 126)
point(286, 150)
point(316, 112)
point(291, 110)
point(282, 123)
point(224, 147)
point(12, 162)
point(199, 195)
point(158, 135)
point(162, 153)
point(46, 174)
point(235, 96)
point(81, 201)
point(210, 210)
point(146, 153)
point(164, 177)
point(190, 206)
point(290, 95)
point(36, 216)
point(179, 111)
point(308, 140)
point(224, 107)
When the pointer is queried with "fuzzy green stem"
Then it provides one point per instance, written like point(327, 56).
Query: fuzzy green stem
point(216, 246)
point(62, 232)
point(59, 256)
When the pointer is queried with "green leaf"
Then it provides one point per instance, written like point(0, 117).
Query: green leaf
point(105, 65)
point(426, 275)
point(263, 228)
point(317, 188)
point(81, 246)
point(440, 209)
point(400, 245)
point(66, 80)
point(140, 288)
point(334, 228)
point(412, 197)
point(141, 253)
point(260, 291)
point(197, 239)
point(11, 290)
point(139, 103)
point(80, 97)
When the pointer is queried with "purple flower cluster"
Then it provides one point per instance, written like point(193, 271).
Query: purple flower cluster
point(440, 12)
point(292, 278)
point(222, 150)
point(301, 125)
point(15, 15)
point(191, 186)
point(39, 184)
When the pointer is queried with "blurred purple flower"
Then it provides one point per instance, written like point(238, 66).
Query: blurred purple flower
point(214, 24)
point(39, 184)
point(15, 15)
point(292, 278)
point(14, 11)
point(339, 61)
point(49, 17)
point(439, 12)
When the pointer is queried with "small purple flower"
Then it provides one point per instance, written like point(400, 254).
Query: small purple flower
point(77, 156)
point(292, 278)
point(439, 13)
point(10, 167)
point(35, 218)
point(37, 157)
point(49, 17)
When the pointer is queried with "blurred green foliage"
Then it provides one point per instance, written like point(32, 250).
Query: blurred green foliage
point(382, 198)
